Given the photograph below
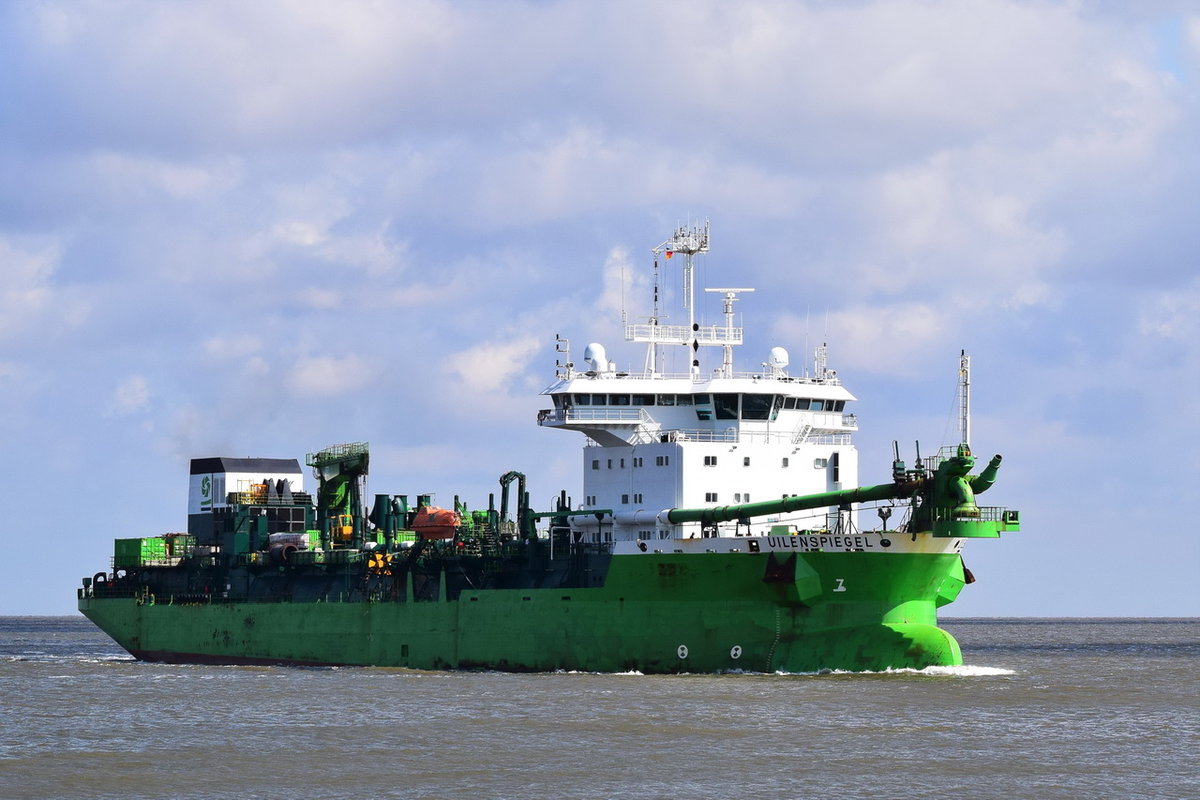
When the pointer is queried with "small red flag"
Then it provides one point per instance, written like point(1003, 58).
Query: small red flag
point(669, 254)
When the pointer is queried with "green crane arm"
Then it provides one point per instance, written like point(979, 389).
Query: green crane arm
point(863, 494)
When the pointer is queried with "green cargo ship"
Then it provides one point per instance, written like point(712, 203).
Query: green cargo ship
point(718, 532)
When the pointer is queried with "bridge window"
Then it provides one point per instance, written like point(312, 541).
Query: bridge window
point(643, 400)
point(789, 402)
point(757, 406)
point(666, 399)
point(618, 399)
point(583, 399)
point(704, 407)
point(726, 406)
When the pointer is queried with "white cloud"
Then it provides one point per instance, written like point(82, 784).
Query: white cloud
point(1191, 28)
point(886, 340)
point(226, 348)
point(131, 396)
point(491, 367)
point(127, 174)
point(28, 294)
point(624, 285)
point(1174, 315)
point(328, 376)
point(951, 227)
point(267, 187)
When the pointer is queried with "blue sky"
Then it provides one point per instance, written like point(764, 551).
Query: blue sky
point(257, 229)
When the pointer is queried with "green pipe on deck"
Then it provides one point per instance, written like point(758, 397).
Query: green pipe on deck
point(863, 494)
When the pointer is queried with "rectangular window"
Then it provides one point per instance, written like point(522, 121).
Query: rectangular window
point(624, 499)
point(618, 399)
point(610, 463)
point(726, 406)
point(643, 399)
point(662, 461)
point(583, 399)
point(785, 462)
point(789, 402)
point(820, 463)
point(746, 461)
point(622, 463)
point(710, 497)
point(710, 461)
point(756, 406)
point(595, 463)
point(666, 399)
point(737, 497)
point(599, 399)
point(637, 498)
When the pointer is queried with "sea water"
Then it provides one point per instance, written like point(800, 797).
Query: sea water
point(1043, 709)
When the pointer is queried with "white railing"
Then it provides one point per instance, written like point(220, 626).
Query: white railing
point(682, 334)
point(764, 377)
point(561, 416)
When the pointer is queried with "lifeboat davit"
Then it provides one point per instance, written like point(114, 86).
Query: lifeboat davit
point(432, 522)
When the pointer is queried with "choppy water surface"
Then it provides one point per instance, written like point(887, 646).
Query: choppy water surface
point(1044, 709)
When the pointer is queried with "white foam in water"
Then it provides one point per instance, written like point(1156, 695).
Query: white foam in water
point(961, 671)
point(966, 670)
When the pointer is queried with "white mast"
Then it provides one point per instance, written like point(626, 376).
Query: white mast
point(964, 391)
point(686, 242)
point(727, 357)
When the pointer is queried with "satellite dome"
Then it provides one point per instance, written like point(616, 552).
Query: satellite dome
point(595, 355)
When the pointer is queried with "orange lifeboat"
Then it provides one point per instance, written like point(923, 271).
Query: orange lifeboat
point(432, 522)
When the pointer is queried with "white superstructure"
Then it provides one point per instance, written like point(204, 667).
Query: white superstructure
point(658, 441)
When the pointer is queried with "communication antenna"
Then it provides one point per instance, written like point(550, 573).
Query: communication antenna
point(964, 394)
point(687, 241)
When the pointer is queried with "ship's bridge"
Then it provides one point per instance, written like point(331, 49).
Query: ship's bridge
point(620, 410)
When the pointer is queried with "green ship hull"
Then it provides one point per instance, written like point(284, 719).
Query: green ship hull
point(654, 613)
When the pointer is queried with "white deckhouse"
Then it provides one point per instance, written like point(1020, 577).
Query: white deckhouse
point(658, 441)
